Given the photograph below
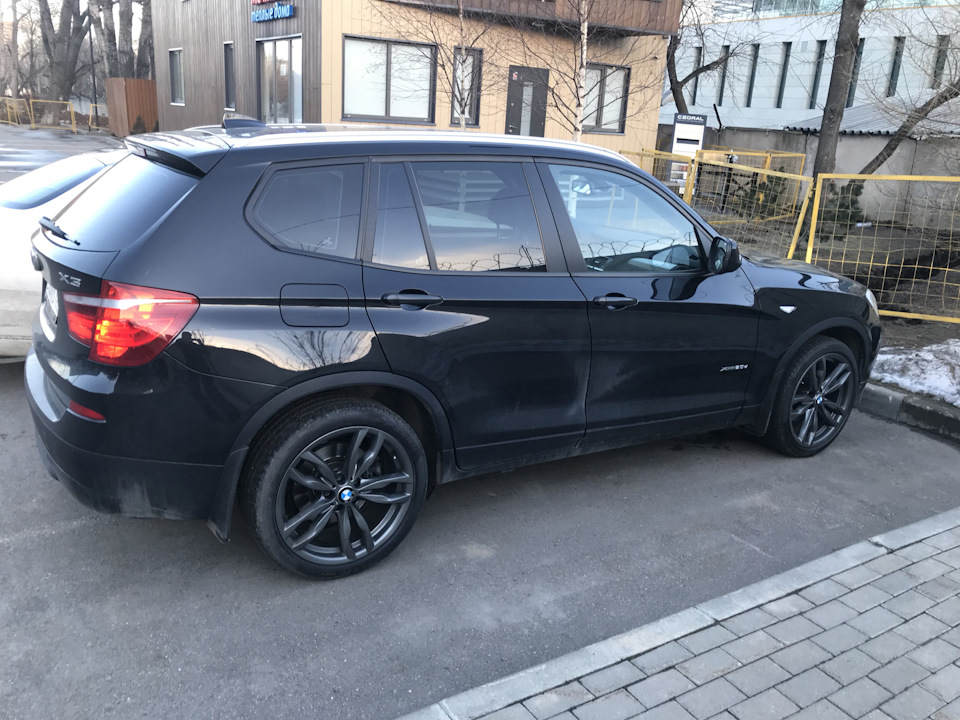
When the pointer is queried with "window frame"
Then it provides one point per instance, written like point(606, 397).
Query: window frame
point(552, 252)
point(605, 69)
point(230, 83)
point(854, 74)
point(899, 45)
point(389, 42)
point(267, 235)
point(940, 61)
point(568, 237)
point(817, 73)
point(178, 52)
point(476, 85)
point(784, 69)
point(755, 60)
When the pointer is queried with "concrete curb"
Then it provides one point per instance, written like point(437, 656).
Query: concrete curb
point(916, 412)
point(515, 688)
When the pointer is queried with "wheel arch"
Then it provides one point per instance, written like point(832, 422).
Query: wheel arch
point(413, 402)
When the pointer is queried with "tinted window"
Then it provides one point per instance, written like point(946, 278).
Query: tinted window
point(624, 226)
point(399, 239)
point(44, 184)
point(123, 203)
point(480, 216)
point(313, 209)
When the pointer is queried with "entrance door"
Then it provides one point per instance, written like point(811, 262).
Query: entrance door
point(281, 80)
point(527, 101)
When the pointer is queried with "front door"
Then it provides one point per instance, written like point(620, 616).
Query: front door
point(527, 101)
point(281, 80)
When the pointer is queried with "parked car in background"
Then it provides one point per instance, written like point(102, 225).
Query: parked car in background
point(23, 201)
point(326, 324)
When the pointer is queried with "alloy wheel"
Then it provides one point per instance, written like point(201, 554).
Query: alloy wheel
point(822, 400)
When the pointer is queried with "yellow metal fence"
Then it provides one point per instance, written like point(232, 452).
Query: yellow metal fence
point(52, 114)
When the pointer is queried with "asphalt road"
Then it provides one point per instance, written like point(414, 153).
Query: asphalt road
point(103, 617)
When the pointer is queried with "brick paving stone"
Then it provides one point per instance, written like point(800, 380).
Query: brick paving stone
point(899, 674)
point(888, 646)
point(896, 582)
point(663, 657)
point(802, 656)
point(822, 710)
point(921, 629)
point(875, 622)
point(927, 569)
point(710, 699)
point(914, 704)
point(951, 558)
point(823, 591)
point(887, 563)
point(611, 678)
point(805, 689)
point(875, 715)
point(857, 576)
point(707, 639)
point(950, 712)
point(748, 622)
point(793, 630)
point(564, 716)
point(661, 687)
point(555, 701)
point(753, 646)
point(851, 665)
point(860, 697)
point(615, 706)
point(945, 684)
point(768, 705)
point(757, 676)
point(955, 575)
point(513, 712)
point(952, 637)
point(702, 669)
point(935, 654)
point(917, 551)
point(839, 639)
point(939, 589)
point(909, 604)
point(787, 607)
point(945, 540)
point(670, 711)
point(723, 716)
point(830, 614)
point(865, 598)
point(947, 612)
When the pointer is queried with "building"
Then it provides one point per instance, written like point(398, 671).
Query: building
point(395, 61)
point(781, 57)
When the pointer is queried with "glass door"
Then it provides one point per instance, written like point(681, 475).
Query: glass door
point(281, 80)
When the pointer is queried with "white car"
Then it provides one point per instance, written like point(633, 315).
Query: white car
point(23, 201)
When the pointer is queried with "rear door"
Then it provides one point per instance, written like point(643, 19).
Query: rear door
point(467, 290)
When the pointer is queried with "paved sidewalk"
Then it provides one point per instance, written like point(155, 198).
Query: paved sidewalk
point(871, 631)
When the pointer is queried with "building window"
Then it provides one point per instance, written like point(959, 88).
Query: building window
point(697, 62)
point(855, 75)
point(465, 95)
point(725, 56)
point(817, 73)
point(784, 69)
point(754, 60)
point(176, 77)
point(899, 42)
point(389, 80)
point(605, 108)
point(943, 47)
point(281, 80)
point(229, 78)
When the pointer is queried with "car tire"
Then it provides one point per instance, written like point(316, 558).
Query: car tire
point(334, 487)
point(815, 398)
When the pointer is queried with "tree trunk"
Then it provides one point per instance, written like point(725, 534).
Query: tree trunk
point(581, 71)
point(145, 46)
point(125, 57)
point(62, 46)
point(676, 89)
point(10, 50)
point(108, 38)
point(848, 38)
point(459, 71)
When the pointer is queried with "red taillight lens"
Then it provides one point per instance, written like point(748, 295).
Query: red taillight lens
point(126, 324)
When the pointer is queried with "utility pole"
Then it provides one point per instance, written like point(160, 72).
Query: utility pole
point(93, 76)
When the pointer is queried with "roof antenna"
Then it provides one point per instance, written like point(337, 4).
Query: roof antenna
point(236, 121)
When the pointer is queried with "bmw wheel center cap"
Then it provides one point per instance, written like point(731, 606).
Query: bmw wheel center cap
point(345, 494)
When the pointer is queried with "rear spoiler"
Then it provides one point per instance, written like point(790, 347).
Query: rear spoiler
point(191, 152)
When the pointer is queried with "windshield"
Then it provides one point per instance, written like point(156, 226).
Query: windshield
point(44, 184)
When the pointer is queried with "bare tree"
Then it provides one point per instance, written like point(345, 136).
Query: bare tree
point(115, 39)
point(10, 49)
point(62, 43)
point(145, 62)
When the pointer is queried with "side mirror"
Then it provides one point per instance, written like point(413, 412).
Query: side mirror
point(724, 256)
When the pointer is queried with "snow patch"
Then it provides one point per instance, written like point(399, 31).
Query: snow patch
point(933, 370)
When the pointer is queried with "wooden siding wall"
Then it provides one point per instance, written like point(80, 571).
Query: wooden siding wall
point(128, 98)
point(200, 27)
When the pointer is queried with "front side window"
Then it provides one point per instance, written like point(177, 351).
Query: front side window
point(388, 80)
point(176, 76)
point(605, 105)
point(466, 86)
point(314, 210)
point(622, 225)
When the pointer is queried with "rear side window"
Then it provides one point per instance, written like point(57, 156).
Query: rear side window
point(123, 203)
point(314, 210)
point(44, 184)
point(398, 240)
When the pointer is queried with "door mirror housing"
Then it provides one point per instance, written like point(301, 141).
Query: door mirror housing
point(724, 256)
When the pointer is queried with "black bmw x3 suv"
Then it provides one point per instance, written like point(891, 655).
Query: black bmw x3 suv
point(323, 325)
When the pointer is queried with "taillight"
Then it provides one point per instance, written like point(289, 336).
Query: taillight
point(127, 324)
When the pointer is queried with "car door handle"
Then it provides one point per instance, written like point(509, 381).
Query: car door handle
point(615, 301)
point(411, 299)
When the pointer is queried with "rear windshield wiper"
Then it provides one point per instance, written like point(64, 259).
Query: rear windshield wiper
point(48, 224)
